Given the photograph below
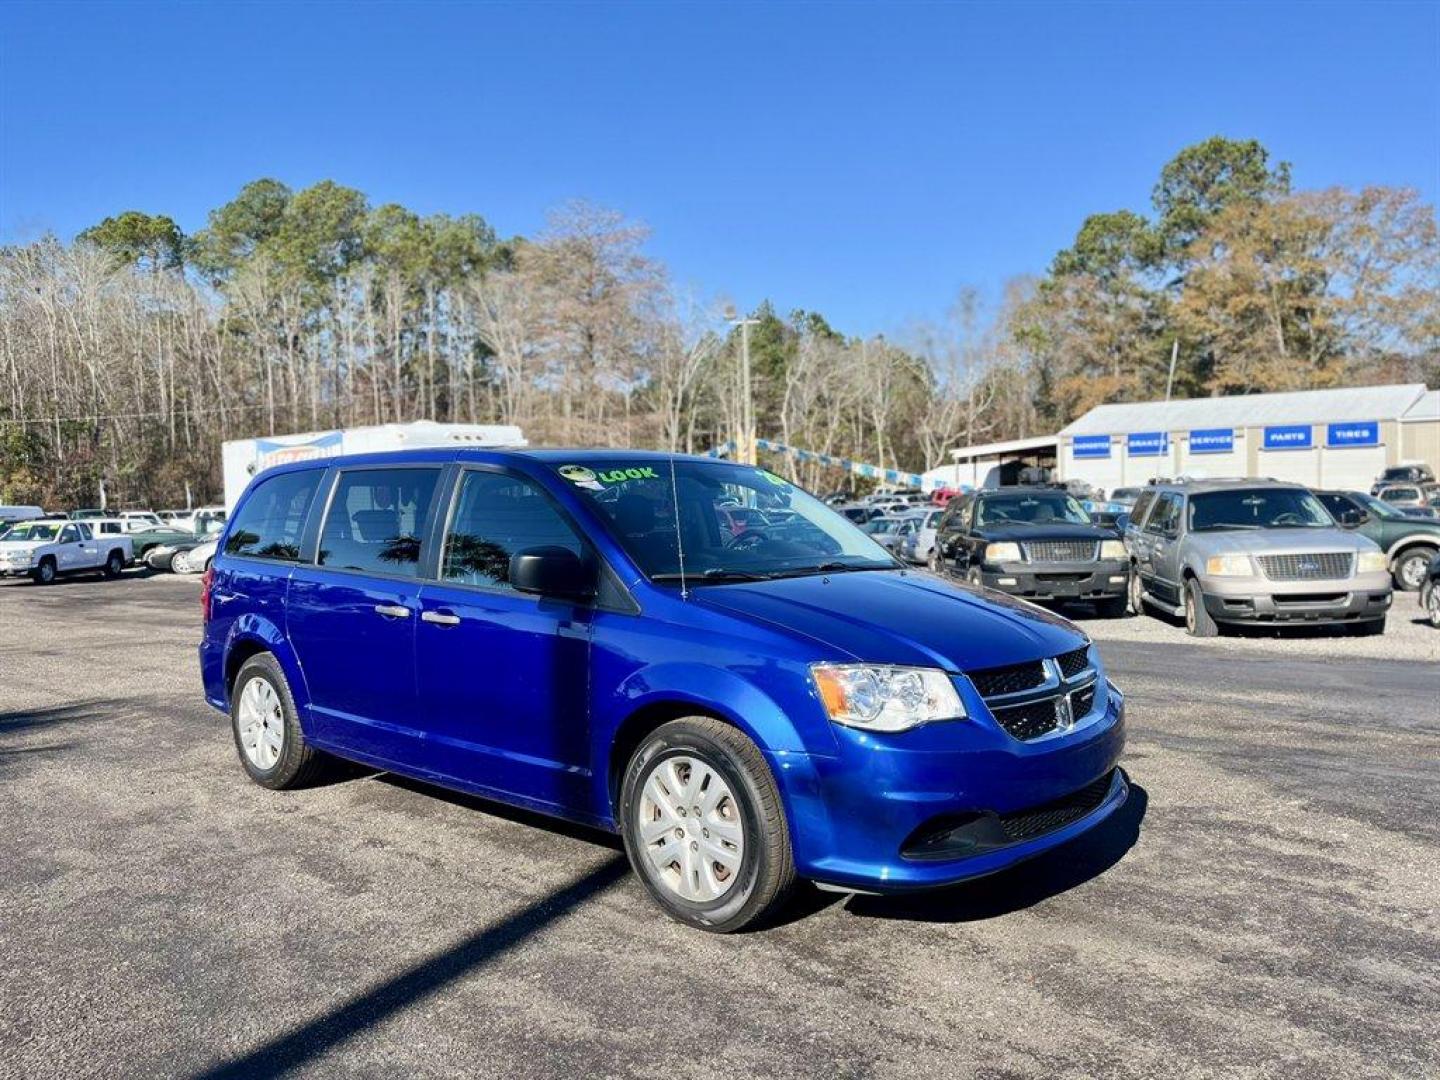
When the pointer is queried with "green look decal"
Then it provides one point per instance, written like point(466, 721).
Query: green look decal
point(580, 476)
point(778, 481)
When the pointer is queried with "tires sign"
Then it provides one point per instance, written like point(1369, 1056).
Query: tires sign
point(1354, 433)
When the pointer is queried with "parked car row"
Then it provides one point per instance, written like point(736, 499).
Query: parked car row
point(1214, 552)
point(46, 547)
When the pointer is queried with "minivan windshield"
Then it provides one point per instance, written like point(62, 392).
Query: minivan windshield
point(1030, 508)
point(1258, 508)
point(736, 522)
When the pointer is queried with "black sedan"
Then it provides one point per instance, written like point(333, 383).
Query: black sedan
point(1034, 542)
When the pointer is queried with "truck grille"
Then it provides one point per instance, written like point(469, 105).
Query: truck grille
point(1321, 566)
point(1043, 551)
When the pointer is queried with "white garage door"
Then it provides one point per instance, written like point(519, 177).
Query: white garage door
point(1299, 466)
point(1351, 467)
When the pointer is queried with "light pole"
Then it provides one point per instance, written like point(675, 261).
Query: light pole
point(747, 402)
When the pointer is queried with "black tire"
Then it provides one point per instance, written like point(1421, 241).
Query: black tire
point(44, 574)
point(1409, 570)
point(114, 564)
point(298, 764)
point(1198, 622)
point(1135, 592)
point(1430, 602)
point(1112, 607)
point(1369, 628)
point(767, 868)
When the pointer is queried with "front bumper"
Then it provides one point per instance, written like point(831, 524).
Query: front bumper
point(893, 814)
point(1090, 580)
point(1256, 600)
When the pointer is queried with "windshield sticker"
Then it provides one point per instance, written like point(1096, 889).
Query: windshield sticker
point(580, 476)
point(778, 481)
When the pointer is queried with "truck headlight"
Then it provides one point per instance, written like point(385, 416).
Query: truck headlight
point(1112, 549)
point(1371, 562)
point(1229, 566)
point(884, 697)
point(1002, 552)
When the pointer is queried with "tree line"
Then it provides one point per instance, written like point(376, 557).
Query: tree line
point(131, 353)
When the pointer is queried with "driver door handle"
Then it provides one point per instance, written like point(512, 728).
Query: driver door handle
point(440, 618)
point(392, 611)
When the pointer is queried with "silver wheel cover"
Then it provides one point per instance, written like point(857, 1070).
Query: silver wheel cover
point(180, 563)
point(1433, 605)
point(689, 828)
point(1412, 571)
point(261, 723)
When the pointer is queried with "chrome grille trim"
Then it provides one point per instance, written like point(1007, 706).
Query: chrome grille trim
point(1047, 551)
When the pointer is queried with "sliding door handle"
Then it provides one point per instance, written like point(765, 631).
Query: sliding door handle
point(440, 618)
point(392, 611)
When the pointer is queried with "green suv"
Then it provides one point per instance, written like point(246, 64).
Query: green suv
point(1409, 543)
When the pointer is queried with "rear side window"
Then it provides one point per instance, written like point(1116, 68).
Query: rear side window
point(269, 524)
point(375, 520)
point(497, 515)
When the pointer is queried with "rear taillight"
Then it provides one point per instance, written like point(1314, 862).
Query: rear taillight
point(206, 580)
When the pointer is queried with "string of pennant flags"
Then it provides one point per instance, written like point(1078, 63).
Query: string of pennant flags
point(854, 468)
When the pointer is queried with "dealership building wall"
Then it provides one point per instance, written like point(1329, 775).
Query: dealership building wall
point(1324, 438)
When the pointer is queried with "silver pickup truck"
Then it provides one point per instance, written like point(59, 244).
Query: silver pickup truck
point(44, 550)
point(1258, 552)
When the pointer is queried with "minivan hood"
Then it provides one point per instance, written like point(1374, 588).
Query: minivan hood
point(900, 617)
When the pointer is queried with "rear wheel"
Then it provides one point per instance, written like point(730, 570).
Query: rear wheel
point(114, 564)
point(44, 574)
point(180, 562)
point(266, 727)
point(704, 827)
point(1410, 568)
point(1198, 622)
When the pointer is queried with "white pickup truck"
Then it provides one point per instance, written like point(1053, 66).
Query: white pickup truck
point(44, 550)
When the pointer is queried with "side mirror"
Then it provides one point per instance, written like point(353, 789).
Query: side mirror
point(1350, 518)
point(551, 571)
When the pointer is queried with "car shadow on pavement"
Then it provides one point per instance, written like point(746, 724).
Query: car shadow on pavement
point(1057, 871)
point(371, 1007)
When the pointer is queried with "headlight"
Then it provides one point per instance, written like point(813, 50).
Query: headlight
point(1112, 549)
point(1002, 552)
point(881, 697)
point(1371, 562)
point(1228, 566)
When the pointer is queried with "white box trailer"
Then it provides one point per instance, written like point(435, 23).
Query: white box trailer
point(241, 459)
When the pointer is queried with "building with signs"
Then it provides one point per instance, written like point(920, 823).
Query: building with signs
point(1325, 438)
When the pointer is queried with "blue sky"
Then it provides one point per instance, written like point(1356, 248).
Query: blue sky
point(865, 161)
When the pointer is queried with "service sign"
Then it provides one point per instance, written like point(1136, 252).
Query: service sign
point(1092, 446)
point(1212, 440)
point(1354, 433)
point(1289, 437)
point(1146, 443)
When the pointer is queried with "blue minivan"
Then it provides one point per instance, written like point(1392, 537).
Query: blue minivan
point(693, 653)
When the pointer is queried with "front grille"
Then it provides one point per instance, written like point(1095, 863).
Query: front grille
point(1321, 566)
point(1042, 551)
point(1012, 679)
point(1031, 720)
point(1082, 701)
point(1037, 821)
point(1073, 663)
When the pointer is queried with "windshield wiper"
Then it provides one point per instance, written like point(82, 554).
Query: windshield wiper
point(834, 568)
point(714, 574)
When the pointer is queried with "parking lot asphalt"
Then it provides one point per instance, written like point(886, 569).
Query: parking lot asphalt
point(1265, 905)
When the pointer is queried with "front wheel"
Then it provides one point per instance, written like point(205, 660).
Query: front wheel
point(44, 574)
point(1410, 568)
point(1430, 601)
point(1198, 622)
point(1136, 591)
point(704, 827)
point(180, 562)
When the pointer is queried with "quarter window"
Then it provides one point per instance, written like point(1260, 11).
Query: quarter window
point(375, 520)
point(497, 515)
point(1166, 515)
point(1142, 504)
point(268, 526)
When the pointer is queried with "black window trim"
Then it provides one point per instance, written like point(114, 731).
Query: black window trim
point(315, 522)
point(626, 603)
